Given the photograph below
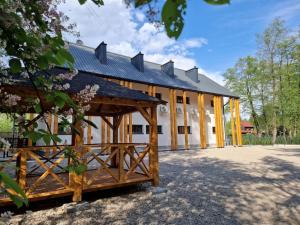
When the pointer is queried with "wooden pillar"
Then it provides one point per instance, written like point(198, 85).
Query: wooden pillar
point(238, 123)
point(116, 123)
point(108, 131)
point(171, 119)
point(153, 157)
point(202, 120)
point(31, 116)
point(75, 180)
point(175, 119)
point(22, 170)
point(102, 131)
point(55, 125)
point(186, 134)
point(130, 120)
point(219, 121)
point(231, 107)
point(89, 131)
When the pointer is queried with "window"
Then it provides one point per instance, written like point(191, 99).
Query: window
point(212, 103)
point(181, 129)
point(179, 99)
point(137, 129)
point(214, 130)
point(187, 100)
point(159, 129)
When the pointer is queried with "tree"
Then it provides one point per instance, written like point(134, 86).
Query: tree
point(269, 82)
point(242, 79)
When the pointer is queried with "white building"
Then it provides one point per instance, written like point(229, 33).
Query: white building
point(181, 124)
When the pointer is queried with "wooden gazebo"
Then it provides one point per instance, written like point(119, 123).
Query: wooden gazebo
point(42, 173)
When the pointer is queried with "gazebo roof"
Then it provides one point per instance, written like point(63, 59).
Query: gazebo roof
point(110, 99)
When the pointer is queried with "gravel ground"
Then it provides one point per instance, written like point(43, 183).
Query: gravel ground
point(247, 185)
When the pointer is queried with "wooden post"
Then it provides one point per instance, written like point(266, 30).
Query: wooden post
point(23, 169)
point(121, 164)
point(108, 131)
point(186, 135)
point(231, 102)
point(171, 119)
point(116, 124)
point(130, 120)
point(89, 132)
point(31, 116)
point(175, 119)
point(102, 131)
point(216, 121)
point(202, 120)
point(238, 123)
point(125, 126)
point(75, 180)
point(221, 121)
point(153, 157)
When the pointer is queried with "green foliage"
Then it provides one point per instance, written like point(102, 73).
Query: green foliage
point(6, 123)
point(172, 13)
point(269, 82)
point(12, 189)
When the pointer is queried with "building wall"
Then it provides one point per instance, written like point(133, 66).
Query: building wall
point(164, 139)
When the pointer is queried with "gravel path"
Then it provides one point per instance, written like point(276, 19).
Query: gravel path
point(247, 185)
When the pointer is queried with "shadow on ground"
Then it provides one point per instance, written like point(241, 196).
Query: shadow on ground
point(198, 190)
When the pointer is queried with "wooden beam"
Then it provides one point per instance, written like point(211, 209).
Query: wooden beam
point(215, 99)
point(145, 114)
point(102, 131)
point(108, 131)
point(233, 133)
point(175, 119)
point(153, 157)
point(130, 120)
point(171, 119)
point(75, 180)
point(202, 120)
point(221, 121)
point(185, 122)
point(238, 123)
point(107, 122)
point(31, 116)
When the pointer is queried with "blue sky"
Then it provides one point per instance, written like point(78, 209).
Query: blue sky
point(214, 37)
point(231, 30)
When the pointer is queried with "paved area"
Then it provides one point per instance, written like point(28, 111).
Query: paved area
point(247, 185)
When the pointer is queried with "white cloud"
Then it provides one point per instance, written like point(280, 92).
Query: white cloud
point(127, 32)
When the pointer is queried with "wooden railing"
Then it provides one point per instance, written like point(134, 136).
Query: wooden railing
point(41, 171)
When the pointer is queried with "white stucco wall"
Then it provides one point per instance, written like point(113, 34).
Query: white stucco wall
point(163, 119)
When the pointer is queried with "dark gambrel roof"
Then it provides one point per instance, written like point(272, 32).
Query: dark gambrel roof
point(120, 67)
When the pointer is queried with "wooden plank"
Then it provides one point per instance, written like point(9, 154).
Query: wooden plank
point(55, 125)
point(202, 120)
point(153, 157)
point(121, 164)
point(185, 122)
point(108, 128)
point(125, 121)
